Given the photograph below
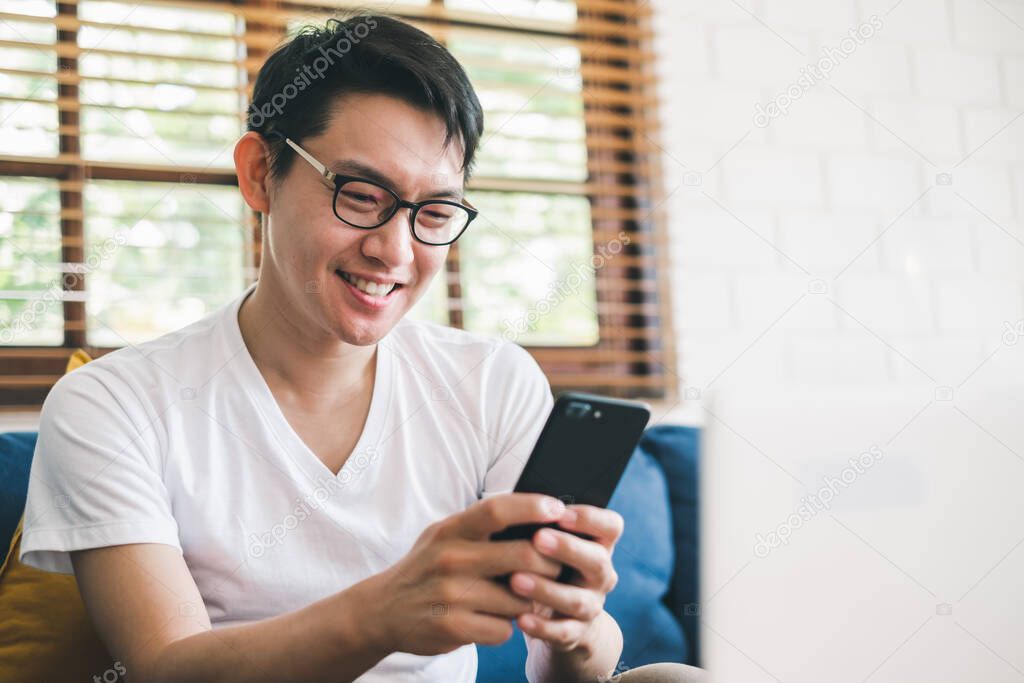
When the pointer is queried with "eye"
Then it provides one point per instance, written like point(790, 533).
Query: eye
point(359, 197)
point(362, 197)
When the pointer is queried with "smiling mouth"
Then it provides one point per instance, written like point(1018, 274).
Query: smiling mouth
point(375, 289)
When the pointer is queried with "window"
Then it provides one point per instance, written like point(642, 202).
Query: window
point(29, 254)
point(119, 219)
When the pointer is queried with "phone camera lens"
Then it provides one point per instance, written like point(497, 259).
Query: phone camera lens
point(577, 410)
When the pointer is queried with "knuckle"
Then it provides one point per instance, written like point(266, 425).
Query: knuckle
point(579, 604)
point(450, 630)
point(501, 633)
point(594, 607)
point(617, 522)
point(491, 511)
point(548, 567)
point(448, 561)
point(448, 592)
point(526, 556)
point(438, 530)
point(611, 580)
point(586, 514)
point(430, 532)
point(563, 633)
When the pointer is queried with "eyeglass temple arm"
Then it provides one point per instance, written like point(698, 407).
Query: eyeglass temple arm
point(327, 174)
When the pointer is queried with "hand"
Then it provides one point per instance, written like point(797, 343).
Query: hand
point(563, 614)
point(442, 595)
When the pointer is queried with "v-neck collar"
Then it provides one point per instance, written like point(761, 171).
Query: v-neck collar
point(366, 450)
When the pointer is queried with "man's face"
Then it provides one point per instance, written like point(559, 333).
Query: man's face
point(319, 260)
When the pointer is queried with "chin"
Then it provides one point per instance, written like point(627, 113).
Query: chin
point(362, 332)
point(362, 339)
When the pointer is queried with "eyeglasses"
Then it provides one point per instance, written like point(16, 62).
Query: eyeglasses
point(365, 204)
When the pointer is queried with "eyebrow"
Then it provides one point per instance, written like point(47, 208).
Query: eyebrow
point(358, 168)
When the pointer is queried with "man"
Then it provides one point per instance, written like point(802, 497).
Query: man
point(290, 488)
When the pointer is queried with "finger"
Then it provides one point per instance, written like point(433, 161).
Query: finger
point(563, 634)
point(567, 600)
point(487, 597)
point(490, 515)
point(591, 559)
point(603, 525)
point(467, 626)
point(505, 557)
point(492, 558)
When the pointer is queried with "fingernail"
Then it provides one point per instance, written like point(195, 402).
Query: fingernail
point(524, 582)
point(553, 506)
point(546, 540)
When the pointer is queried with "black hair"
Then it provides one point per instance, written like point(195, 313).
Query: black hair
point(360, 52)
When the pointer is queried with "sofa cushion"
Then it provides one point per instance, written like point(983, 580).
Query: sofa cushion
point(677, 450)
point(644, 560)
point(16, 450)
point(45, 632)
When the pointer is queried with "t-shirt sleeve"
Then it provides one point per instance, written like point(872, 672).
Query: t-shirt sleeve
point(521, 400)
point(95, 476)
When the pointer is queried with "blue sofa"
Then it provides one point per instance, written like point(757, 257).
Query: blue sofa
point(655, 602)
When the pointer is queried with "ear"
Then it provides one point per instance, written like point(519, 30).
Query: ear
point(252, 164)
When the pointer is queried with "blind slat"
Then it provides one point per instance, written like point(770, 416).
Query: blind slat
point(614, 103)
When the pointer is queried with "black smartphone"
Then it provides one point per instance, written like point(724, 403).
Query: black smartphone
point(580, 454)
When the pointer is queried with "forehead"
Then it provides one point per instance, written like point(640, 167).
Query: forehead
point(403, 142)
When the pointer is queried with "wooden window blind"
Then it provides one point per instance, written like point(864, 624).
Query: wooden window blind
point(119, 219)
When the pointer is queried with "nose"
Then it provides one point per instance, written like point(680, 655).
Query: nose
point(392, 243)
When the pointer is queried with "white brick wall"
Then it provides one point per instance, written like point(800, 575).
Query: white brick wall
point(947, 75)
point(823, 206)
point(988, 26)
point(1013, 81)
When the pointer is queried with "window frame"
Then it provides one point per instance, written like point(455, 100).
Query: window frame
point(634, 355)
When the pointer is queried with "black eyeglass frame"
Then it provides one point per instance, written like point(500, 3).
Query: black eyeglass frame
point(340, 181)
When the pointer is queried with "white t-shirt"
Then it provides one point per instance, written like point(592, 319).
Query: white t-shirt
point(179, 441)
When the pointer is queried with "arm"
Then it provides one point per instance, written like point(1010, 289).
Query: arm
point(593, 659)
point(148, 611)
point(136, 586)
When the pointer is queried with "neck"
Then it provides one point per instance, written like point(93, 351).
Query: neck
point(304, 361)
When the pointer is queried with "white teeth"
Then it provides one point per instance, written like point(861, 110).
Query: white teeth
point(371, 288)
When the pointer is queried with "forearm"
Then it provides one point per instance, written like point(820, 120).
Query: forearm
point(325, 641)
point(594, 659)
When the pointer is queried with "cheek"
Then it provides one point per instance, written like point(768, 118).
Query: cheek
point(299, 221)
point(429, 260)
point(310, 234)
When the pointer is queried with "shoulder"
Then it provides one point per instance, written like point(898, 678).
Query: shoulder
point(142, 373)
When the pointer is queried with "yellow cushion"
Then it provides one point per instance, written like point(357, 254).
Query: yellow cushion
point(77, 360)
point(45, 633)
